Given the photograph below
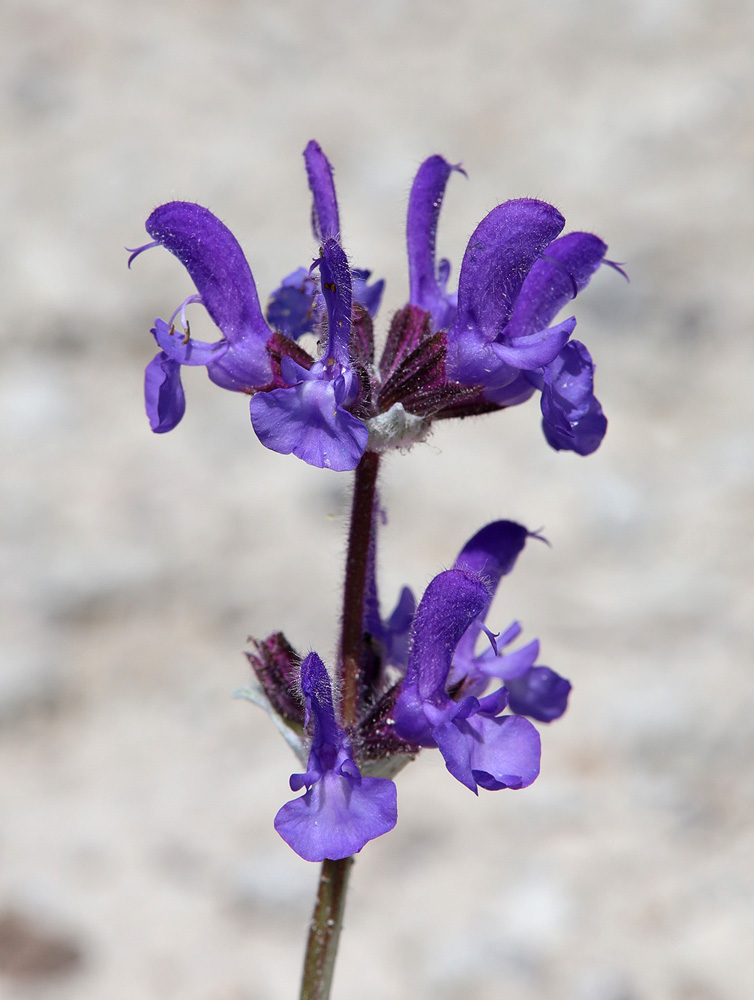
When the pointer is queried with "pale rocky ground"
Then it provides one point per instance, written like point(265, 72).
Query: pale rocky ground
point(137, 855)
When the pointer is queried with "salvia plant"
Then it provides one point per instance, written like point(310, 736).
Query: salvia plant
point(429, 674)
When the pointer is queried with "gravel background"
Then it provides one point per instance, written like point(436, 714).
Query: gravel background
point(137, 855)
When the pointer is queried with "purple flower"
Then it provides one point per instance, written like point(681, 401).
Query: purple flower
point(515, 277)
point(216, 263)
point(300, 405)
point(308, 416)
point(481, 747)
point(340, 810)
point(421, 684)
point(442, 699)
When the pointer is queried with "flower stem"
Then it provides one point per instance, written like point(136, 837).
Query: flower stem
point(357, 560)
point(324, 931)
point(327, 918)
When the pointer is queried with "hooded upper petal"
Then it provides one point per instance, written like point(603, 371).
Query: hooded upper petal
point(491, 553)
point(553, 281)
point(451, 602)
point(326, 222)
point(297, 307)
point(500, 254)
point(426, 286)
point(217, 265)
point(337, 290)
point(319, 172)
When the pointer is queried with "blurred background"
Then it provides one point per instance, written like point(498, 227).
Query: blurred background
point(137, 855)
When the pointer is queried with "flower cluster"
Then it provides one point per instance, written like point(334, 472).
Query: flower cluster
point(490, 345)
point(430, 675)
point(422, 684)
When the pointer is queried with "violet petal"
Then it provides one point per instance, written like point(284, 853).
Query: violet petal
point(501, 252)
point(163, 393)
point(325, 220)
point(306, 420)
point(553, 281)
point(338, 816)
point(493, 753)
point(340, 811)
point(539, 693)
point(296, 307)
point(491, 553)
point(572, 416)
point(424, 206)
point(186, 350)
point(367, 296)
point(536, 349)
point(512, 393)
point(327, 738)
point(451, 602)
point(336, 288)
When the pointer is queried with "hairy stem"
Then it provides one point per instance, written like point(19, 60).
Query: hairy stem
point(327, 919)
point(357, 559)
point(324, 931)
